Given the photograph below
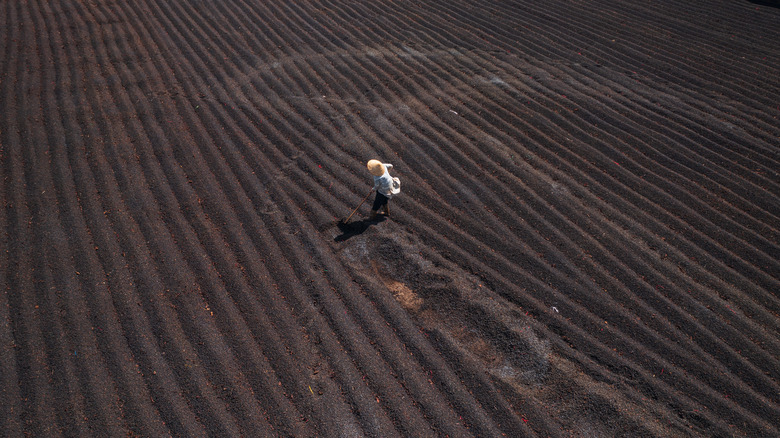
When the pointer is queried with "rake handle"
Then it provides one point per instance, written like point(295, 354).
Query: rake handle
point(361, 203)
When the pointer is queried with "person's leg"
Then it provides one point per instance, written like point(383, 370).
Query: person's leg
point(379, 202)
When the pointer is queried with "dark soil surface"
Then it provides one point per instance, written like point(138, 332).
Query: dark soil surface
point(586, 243)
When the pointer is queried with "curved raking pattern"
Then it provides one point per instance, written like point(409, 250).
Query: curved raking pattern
point(586, 243)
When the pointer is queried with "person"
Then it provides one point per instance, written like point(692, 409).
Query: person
point(384, 185)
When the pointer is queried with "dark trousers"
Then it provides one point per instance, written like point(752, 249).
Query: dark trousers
point(379, 201)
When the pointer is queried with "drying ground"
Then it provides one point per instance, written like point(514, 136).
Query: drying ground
point(586, 243)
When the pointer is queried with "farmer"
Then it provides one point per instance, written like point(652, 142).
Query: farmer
point(385, 186)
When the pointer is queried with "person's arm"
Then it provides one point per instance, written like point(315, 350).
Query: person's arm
point(388, 166)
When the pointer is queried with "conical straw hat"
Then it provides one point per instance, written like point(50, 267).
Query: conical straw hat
point(376, 167)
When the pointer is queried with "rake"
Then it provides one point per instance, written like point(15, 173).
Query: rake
point(344, 221)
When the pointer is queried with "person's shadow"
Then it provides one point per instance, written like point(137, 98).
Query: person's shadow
point(356, 228)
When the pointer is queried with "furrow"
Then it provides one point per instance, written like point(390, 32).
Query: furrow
point(578, 59)
point(11, 406)
point(80, 198)
point(759, 375)
point(217, 354)
point(640, 64)
point(586, 242)
point(298, 388)
point(215, 246)
point(38, 411)
point(476, 259)
point(116, 233)
point(71, 332)
point(710, 155)
point(169, 334)
point(304, 69)
point(709, 110)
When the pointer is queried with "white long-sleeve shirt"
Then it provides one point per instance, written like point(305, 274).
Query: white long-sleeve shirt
point(384, 184)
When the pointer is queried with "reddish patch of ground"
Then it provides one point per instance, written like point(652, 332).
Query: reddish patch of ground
point(586, 243)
